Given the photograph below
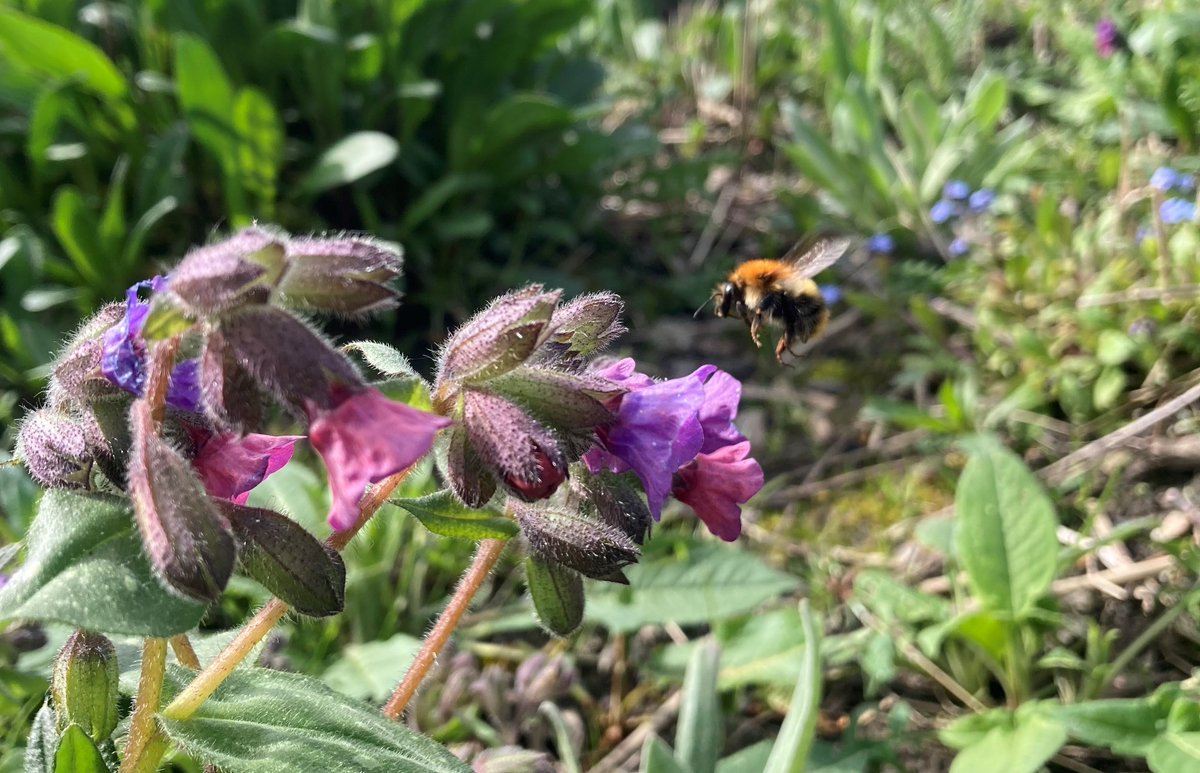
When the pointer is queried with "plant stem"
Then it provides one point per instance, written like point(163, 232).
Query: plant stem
point(435, 641)
point(1151, 633)
point(142, 725)
point(208, 680)
point(184, 651)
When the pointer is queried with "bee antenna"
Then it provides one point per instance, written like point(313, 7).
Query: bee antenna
point(696, 313)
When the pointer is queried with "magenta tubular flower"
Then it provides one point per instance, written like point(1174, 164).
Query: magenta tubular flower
point(678, 436)
point(123, 356)
point(717, 484)
point(363, 438)
point(230, 466)
point(1108, 38)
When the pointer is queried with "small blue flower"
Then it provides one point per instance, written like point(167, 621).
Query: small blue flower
point(831, 293)
point(1164, 179)
point(1142, 326)
point(1143, 233)
point(942, 211)
point(981, 200)
point(1186, 183)
point(958, 248)
point(1176, 210)
point(956, 190)
point(883, 243)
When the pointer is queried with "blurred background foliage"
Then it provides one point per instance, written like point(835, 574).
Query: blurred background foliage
point(645, 146)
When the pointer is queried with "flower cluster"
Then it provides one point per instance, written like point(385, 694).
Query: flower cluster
point(959, 208)
point(1175, 209)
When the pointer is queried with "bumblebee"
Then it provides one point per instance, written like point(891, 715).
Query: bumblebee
point(781, 292)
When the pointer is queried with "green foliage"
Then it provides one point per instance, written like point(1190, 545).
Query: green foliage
point(444, 514)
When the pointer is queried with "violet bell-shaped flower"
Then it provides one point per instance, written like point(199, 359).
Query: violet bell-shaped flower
point(363, 438)
point(678, 436)
point(230, 466)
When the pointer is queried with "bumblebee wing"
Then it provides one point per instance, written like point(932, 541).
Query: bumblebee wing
point(823, 254)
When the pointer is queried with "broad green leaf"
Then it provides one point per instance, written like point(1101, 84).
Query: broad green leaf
point(86, 567)
point(795, 740)
point(895, 601)
point(710, 582)
point(442, 513)
point(761, 649)
point(42, 741)
point(657, 758)
point(77, 753)
point(53, 51)
point(1021, 745)
point(1175, 753)
point(260, 145)
point(986, 100)
point(297, 491)
point(752, 759)
point(207, 98)
point(78, 231)
point(699, 733)
point(263, 721)
point(1126, 726)
point(370, 671)
point(515, 120)
point(1005, 536)
point(557, 595)
point(350, 159)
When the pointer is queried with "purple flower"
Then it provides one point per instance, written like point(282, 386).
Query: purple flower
point(882, 243)
point(1176, 210)
point(958, 248)
point(123, 356)
point(1164, 179)
point(364, 438)
point(981, 200)
point(1108, 38)
point(676, 436)
point(1142, 233)
point(955, 190)
point(230, 466)
point(942, 211)
point(831, 293)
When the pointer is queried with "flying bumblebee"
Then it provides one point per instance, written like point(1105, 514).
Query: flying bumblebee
point(781, 292)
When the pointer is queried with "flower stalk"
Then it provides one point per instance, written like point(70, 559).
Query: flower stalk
point(142, 726)
point(435, 641)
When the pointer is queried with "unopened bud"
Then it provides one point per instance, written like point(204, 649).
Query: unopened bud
point(227, 393)
point(54, 446)
point(573, 539)
point(76, 374)
point(279, 553)
point(584, 326)
point(557, 594)
point(84, 685)
point(468, 475)
point(500, 337)
point(344, 276)
point(512, 759)
point(239, 271)
point(618, 503)
point(286, 358)
point(523, 454)
point(186, 539)
point(568, 402)
point(540, 678)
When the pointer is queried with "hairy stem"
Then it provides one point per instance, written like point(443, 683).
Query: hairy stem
point(435, 641)
point(184, 652)
point(142, 725)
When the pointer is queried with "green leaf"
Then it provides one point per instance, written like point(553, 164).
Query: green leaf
point(698, 734)
point(986, 100)
point(1175, 753)
point(42, 741)
point(1005, 537)
point(260, 145)
point(263, 721)
point(370, 671)
point(384, 358)
point(78, 231)
point(1022, 744)
point(78, 754)
point(443, 513)
point(86, 567)
point(657, 758)
point(557, 595)
point(764, 648)
point(1109, 387)
point(894, 601)
point(53, 51)
point(752, 759)
point(795, 740)
point(710, 582)
point(1126, 726)
point(1114, 347)
point(206, 96)
point(350, 159)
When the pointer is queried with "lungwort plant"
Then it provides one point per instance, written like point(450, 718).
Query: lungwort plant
point(155, 431)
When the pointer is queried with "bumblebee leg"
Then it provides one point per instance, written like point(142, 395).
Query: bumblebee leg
point(784, 345)
point(755, 325)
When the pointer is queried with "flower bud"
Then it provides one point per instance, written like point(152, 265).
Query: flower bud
point(540, 678)
point(468, 475)
point(573, 539)
point(571, 403)
point(557, 594)
point(227, 392)
point(616, 502)
point(523, 454)
point(344, 276)
point(286, 358)
point(500, 337)
point(54, 446)
point(584, 326)
point(512, 759)
point(186, 538)
point(288, 561)
point(84, 685)
point(76, 374)
point(239, 271)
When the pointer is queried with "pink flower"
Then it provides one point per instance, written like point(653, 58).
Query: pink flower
point(364, 438)
point(231, 466)
point(717, 484)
